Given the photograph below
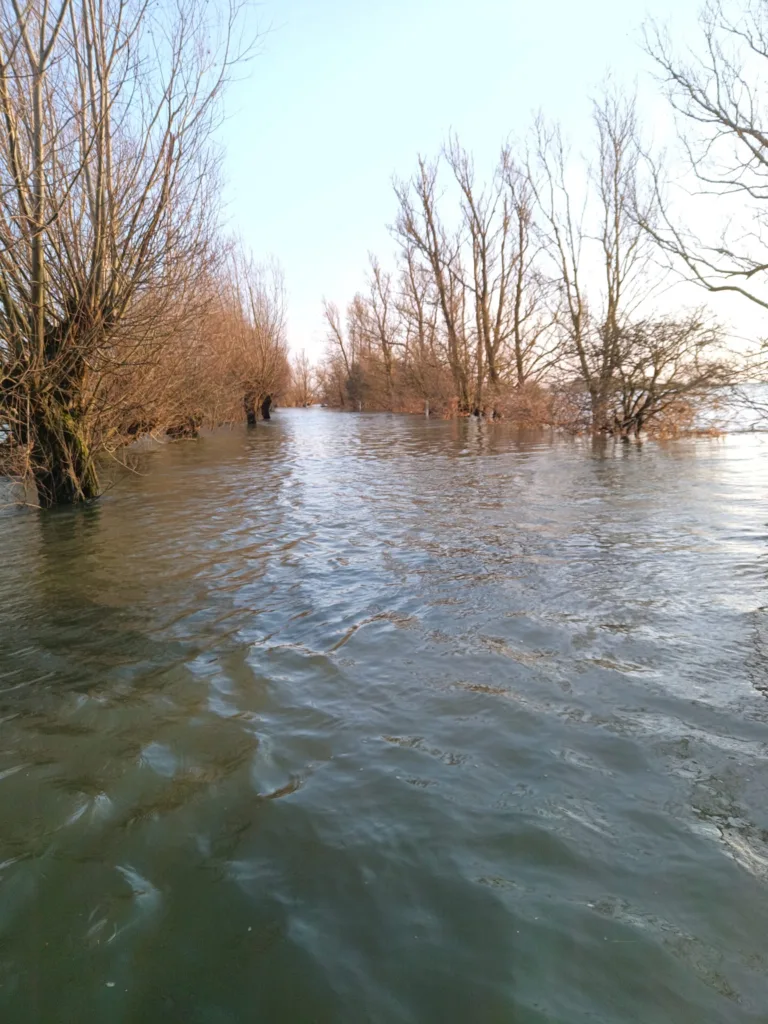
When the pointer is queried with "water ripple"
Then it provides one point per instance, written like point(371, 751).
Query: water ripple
point(372, 718)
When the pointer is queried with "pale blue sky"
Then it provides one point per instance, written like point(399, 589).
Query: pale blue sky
point(345, 94)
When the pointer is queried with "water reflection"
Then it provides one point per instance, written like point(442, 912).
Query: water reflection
point(368, 718)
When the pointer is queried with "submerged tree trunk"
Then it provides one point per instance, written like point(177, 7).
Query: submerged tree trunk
point(249, 405)
point(62, 465)
point(599, 409)
point(266, 405)
point(186, 427)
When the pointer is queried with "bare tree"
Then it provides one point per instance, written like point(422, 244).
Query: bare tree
point(535, 346)
point(382, 323)
point(564, 235)
point(485, 275)
point(719, 95)
point(303, 388)
point(600, 230)
point(666, 364)
point(106, 112)
point(343, 376)
point(421, 347)
point(419, 229)
point(488, 219)
point(720, 99)
point(259, 356)
point(215, 349)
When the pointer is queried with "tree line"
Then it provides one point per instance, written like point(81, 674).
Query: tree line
point(123, 308)
point(541, 294)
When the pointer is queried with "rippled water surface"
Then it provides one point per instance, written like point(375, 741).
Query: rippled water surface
point(367, 719)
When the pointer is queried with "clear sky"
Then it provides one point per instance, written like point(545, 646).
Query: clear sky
point(346, 92)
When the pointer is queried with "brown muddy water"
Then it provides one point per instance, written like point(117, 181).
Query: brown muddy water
point(379, 720)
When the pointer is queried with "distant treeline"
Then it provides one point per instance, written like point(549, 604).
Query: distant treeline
point(535, 295)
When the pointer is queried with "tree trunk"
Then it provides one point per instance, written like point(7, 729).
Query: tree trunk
point(266, 405)
point(62, 465)
point(185, 428)
point(599, 409)
point(249, 406)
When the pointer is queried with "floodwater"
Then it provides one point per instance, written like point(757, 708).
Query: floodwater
point(379, 720)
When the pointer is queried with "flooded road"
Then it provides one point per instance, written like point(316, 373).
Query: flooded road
point(378, 720)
